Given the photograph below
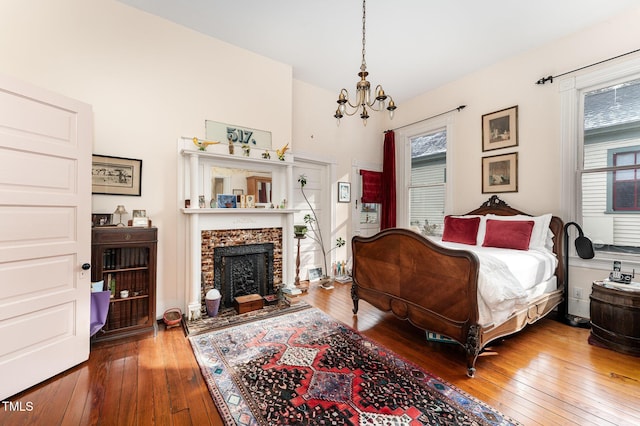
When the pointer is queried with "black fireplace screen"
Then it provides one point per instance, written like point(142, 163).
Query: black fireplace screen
point(241, 270)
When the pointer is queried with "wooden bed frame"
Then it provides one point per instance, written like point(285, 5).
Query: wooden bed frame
point(435, 288)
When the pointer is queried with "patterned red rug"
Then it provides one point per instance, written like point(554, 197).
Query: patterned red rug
point(307, 368)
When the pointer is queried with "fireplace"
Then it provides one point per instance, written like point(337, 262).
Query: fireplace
point(239, 262)
point(209, 228)
point(242, 270)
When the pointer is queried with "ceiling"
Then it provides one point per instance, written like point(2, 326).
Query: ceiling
point(412, 46)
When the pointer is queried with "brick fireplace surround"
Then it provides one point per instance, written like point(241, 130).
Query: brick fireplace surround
point(238, 237)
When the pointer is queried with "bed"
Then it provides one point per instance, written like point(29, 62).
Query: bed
point(441, 286)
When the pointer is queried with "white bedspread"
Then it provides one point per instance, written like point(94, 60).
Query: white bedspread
point(506, 277)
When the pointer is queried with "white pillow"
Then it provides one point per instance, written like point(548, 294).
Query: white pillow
point(540, 227)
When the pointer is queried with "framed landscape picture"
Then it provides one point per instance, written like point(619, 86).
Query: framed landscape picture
point(500, 173)
point(500, 129)
point(116, 175)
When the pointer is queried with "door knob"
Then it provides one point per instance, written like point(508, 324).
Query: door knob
point(86, 266)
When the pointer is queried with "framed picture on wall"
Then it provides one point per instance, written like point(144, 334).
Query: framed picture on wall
point(500, 173)
point(116, 175)
point(500, 129)
point(344, 192)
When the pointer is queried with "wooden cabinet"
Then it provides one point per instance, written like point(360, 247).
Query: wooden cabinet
point(615, 317)
point(260, 187)
point(125, 258)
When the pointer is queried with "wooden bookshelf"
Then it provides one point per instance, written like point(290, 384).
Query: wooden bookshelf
point(125, 259)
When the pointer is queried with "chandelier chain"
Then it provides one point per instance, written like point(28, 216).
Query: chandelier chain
point(365, 100)
point(363, 67)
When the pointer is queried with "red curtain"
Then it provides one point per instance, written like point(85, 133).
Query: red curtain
point(388, 215)
point(371, 186)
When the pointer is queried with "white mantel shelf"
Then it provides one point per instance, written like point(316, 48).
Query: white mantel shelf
point(275, 162)
point(238, 211)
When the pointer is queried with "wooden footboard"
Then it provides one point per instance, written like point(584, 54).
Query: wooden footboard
point(432, 287)
point(435, 288)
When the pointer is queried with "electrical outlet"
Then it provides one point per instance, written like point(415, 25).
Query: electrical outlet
point(577, 293)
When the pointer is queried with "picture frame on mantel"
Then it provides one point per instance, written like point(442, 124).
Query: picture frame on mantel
point(116, 175)
point(500, 129)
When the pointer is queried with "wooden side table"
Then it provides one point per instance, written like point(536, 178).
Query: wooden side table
point(615, 317)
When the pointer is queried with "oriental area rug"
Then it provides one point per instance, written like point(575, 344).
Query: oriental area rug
point(305, 368)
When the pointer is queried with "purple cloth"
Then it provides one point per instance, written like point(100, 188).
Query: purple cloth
point(99, 310)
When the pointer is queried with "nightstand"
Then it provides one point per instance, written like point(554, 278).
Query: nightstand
point(615, 316)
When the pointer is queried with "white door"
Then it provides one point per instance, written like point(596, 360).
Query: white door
point(45, 234)
point(318, 192)
point(365, 219)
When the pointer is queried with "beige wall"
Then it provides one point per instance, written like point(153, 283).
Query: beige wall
point(316, 132)
point(509, 83)
point(149, 82)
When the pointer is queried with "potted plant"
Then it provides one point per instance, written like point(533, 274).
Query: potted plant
point(311, 221)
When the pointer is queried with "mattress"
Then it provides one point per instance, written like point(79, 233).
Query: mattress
point(508, 279)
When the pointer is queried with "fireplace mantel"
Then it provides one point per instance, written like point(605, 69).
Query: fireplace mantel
point(193, 166)
point(260, 211)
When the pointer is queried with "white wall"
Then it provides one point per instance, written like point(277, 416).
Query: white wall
point(149, 82)
point(315, 132)
point(510, 83)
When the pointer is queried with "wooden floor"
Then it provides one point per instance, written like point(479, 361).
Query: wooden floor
point(546, 375)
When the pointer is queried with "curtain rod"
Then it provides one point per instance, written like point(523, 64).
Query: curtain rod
point(550, 78)
point(460, 108)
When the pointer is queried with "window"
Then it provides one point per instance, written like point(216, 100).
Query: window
point(608, 165)
point(624, 188)
point(428, 181)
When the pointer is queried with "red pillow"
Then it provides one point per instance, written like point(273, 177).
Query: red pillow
point(510, 234)
point(461, 230)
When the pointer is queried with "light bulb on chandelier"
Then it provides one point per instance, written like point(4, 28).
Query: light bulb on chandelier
point(363, 90)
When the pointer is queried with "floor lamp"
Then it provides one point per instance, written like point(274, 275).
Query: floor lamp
point(584, 249)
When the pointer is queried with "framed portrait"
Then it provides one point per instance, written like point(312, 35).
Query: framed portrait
point(500, 173)
point(101, 219)
point(344, 192)
point(139, 213)
point(116, 175)
point(238, 191)
point(250, 201)
point(500, 129)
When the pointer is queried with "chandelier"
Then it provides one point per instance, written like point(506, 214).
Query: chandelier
point(363, 90)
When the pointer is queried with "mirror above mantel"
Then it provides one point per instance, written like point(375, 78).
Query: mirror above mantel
point(236, 181)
